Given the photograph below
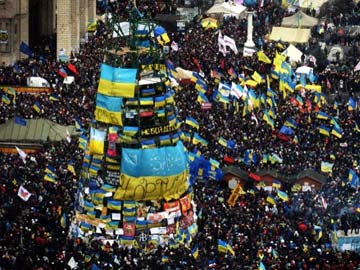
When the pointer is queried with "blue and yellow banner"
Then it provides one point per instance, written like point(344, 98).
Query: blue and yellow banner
point(108, 109)
point(117, 82)
point(152, 174)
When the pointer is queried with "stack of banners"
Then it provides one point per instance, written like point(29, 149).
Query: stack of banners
point(134, 150)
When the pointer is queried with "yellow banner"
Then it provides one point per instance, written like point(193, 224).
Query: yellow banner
point(108, 117)
point(152, 187)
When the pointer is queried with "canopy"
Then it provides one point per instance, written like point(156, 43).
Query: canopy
point(35, 130)
point(307, 3)
point(227, 8)
point(293, 53)
point(292, 35)
point(299, 19)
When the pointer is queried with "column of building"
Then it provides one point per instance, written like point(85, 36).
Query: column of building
point(72, 20)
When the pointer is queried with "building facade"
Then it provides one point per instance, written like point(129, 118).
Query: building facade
point(30, 20)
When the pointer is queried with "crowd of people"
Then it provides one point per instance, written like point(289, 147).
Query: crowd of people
point(285, 235)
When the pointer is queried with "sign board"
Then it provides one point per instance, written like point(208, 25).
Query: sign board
point(180, 26)
point(112, 177)
point(4, 37)
point(206, 106)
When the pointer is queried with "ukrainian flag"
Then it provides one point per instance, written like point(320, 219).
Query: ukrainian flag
point(214, 163)
point(50, 178)
point(322, 115)
point(54, 97)
point(222, 141)
point(37, 107)
point(161, 35)
point(257, 77)
point(270, 199)
point(192, 122)
point(117, 82)
point(97, 139)
point(130, 130)
point(71, 168)
point(88, 206)
point(337, 132)
point(276, 184)
point(291, 123)
point(175, 138)
point(148, 167)
point(165, 139)
point(108, 188)
point(147, 101)
point(148, 92)
point(225, 247)
point(268, 120)
point(324, 130)
point(114, 205)
point(262, 57)
point(91, 214)
point(161, 113)
point(5, 99)
point(85, 226)
point(352, 176)
point(282, 195)
point(171, 119)
point(351, 104)
point(169, 97)
point(326, 167)
point(159, 101)
point(195, 251)
point(113, 225)
point(202, 98)
point(108, 109)
point(150, 143)
point(105, 219)
point(132, 102)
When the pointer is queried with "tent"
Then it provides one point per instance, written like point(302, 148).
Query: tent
point(293, 53)
point(227, 8)
point(292, 35)
point(35, 130)
point(307, 3)
point(311, 3)
point(299, 19)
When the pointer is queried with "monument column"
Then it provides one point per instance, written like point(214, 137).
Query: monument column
point(249, 46)
point(75, 24)
point(63, 28)
point(83, 17)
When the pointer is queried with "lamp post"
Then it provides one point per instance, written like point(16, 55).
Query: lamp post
point(249, 46)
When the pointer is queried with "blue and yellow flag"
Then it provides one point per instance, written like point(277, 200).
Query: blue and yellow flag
point(97, 141)
point(117, 82)
point(282, 195)
point(192, 122)
point(224, 247)
point(164, 168)
point(324, 130)
point(114, 205)
point(108, 109)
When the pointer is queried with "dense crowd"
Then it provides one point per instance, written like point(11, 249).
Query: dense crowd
point(34, 234)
